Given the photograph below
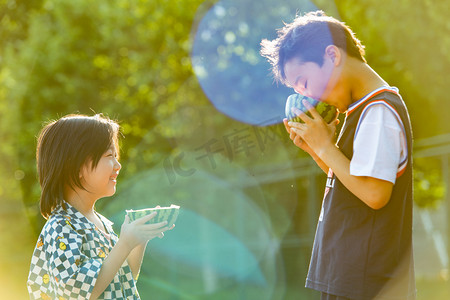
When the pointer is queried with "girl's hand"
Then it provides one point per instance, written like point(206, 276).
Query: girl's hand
point(315, 132)
point(137, 232)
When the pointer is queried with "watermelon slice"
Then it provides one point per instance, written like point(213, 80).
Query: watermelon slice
point(328, 112)
point(168, 214)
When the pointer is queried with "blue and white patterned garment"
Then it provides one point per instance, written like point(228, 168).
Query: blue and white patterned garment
point(68, 257)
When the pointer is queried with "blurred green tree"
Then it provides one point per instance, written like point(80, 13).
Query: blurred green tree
point(127, 59)
point(408, 43)
point(131, 60)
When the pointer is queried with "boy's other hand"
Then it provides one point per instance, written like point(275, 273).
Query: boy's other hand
point(298, 141)
point(315, 132)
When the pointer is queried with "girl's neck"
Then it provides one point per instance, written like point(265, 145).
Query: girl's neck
point(80, 200)
point(84, 202)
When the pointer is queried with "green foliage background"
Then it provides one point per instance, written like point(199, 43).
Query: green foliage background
point(130, 59)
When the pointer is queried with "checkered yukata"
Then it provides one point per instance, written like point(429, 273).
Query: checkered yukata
point(68, 257)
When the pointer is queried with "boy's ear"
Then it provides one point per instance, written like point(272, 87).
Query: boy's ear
point(333, 53)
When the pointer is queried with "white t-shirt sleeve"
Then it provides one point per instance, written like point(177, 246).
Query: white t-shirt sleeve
point(379, 146)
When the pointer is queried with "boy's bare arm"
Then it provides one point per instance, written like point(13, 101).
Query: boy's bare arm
point(372, 191)
point(319, 137)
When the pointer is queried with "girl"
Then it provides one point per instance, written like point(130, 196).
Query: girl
point(78, 255)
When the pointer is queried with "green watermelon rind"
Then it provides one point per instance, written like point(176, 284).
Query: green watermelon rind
point(169, 214)
point(328, 112)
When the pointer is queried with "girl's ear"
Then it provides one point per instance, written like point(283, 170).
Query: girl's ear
point(83, 170)
point(334, 54)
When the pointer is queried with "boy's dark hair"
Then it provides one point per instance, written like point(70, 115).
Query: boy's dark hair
point(63, 149)
point(306, 38)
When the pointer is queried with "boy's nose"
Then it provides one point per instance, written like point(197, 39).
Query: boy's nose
point(300, 90)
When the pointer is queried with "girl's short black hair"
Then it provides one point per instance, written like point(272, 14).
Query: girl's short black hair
point(306, 38)
point(64, 146)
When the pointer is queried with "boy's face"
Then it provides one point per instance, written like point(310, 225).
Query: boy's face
point(312, 80)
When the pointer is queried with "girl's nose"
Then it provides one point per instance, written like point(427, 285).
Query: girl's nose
point(117, 166)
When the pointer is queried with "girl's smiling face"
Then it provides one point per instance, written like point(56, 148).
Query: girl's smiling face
point(101, 181)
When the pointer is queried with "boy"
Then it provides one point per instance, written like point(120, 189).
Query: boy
point(363, 243)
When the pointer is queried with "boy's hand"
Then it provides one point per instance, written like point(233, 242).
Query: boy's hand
point(298, 141)
point(315, 132)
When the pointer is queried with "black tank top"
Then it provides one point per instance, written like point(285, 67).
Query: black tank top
point(359, 252)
